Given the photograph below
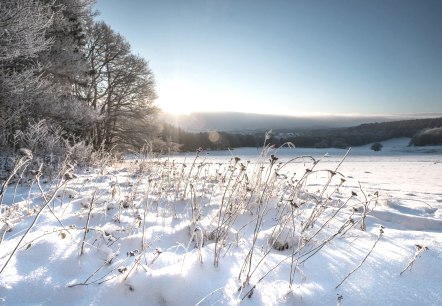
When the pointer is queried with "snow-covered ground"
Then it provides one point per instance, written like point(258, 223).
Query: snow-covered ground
point(213, 230)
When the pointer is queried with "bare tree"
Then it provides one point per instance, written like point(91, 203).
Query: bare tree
point(23, 26)
point(122, 90)
point(65, 65)
point(64, 60)
point(58, 65)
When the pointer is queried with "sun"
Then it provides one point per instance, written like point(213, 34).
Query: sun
point(183, 97)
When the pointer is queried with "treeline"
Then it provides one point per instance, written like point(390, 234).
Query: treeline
point(364, 133)
point(422, 132)
point(428, 137)
point(207, 140)
point(68, 78)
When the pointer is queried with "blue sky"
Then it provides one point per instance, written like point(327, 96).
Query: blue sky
point(286, 56)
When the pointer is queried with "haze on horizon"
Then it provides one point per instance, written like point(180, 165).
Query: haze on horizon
point(288, 57)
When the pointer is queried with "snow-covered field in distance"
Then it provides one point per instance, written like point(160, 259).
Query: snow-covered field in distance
point(397, 167)
point(394, 149)
point(172, 270)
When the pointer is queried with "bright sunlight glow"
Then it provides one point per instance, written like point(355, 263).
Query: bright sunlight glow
point(183, 97)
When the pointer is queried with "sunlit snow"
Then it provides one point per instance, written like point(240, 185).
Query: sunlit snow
point(153, 225)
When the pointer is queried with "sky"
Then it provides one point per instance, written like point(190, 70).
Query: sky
point(286, 56)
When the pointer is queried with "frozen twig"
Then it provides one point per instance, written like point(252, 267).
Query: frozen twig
point(419, 250)
point(59, 186)
point(24, 159)
point(86, 229)
point(381, 231)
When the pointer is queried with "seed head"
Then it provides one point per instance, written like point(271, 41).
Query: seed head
point(25, 153)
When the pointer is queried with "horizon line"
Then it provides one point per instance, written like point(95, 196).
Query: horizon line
point(314, 114)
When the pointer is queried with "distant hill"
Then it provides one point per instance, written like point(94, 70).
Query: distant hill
point(370, 132)
point(422, 131)
point(247, 122)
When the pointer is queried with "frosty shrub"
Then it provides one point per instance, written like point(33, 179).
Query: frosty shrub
point(376, 146)
point(52, 146)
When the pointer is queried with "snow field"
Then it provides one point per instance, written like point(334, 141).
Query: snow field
point(213, 230)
